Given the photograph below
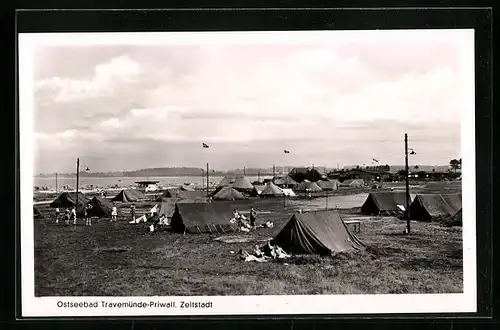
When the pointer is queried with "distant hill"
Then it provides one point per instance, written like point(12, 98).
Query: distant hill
point(194, 171)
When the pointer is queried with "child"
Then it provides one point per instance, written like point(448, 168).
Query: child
point(253, 214)
point(57, 215)
point(88, 220)
point(114, 213)
point(132, 211)
point(67, 216)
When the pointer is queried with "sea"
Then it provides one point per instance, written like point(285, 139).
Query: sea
point(50, 183)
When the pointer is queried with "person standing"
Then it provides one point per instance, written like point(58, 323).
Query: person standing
point(114, 213)
point(67, 216)
point(88, 219)
point(73, 213)
point(253, 215)
point(57, 215)
point(132, 211)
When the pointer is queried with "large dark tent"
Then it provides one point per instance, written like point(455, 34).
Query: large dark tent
point(36, 212)
point(129, 196)
point(317, 232)
point(428, 207)
point(384, 202)
point(203, 218)
point(68, 199)
point(271, 190)
point(100, 207)
point(228, 194)
point(167, 206)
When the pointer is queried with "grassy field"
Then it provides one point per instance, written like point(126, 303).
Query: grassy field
point(120, 259)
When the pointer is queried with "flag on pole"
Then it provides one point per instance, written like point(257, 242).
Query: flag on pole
point(286, 151)
point(87, 169)
point(375, 160)
point(205, 145)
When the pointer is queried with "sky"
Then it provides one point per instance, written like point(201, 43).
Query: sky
point(335, 101)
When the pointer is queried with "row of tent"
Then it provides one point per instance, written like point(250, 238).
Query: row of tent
point(316, 232)
point(243, 184)
point(68, 199)
point(100, 206)
point(425, 207)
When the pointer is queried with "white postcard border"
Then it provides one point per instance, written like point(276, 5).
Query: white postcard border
point(241, 305)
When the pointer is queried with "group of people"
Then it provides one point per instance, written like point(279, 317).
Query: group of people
point(69, 215)
point(241, 220)
point(265, 254)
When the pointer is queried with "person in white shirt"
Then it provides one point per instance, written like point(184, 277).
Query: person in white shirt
point(57, 215)
point(114, 213)
point(73, 213)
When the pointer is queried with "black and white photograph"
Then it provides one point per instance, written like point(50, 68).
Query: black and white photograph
point(236, 173)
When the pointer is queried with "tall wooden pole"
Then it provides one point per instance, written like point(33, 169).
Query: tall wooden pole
point(407, 186)
point(258, 177)
point(274, 170)
point(56, 184)
point(77, 178)
point(326, 192)
point(244, 171)
point(207, 180)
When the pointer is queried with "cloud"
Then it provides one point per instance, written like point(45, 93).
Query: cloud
point(329, 103)
point(118, 70)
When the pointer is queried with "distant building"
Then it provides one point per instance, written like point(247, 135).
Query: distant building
point(147, 185)
point(299, 174)
point(358, 173)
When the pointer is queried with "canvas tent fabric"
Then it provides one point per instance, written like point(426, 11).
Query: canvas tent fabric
point(187, 188)
point(68, 199)
point(271, 190)
point(101, 207)
point(259, 188)
point(317, 232)
point(353, 183)
point(429, 207)
point(36, 212)
point(228, 194)
point(226, 181)
point(184, 194)
point(167, 205)
point(285, 181)
point(307, 185)
point(129, 196)
point(203, 218)
point(288, 192)
point(456, 220)
point(242, 184)
point(328, 184)
point(383, 202)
